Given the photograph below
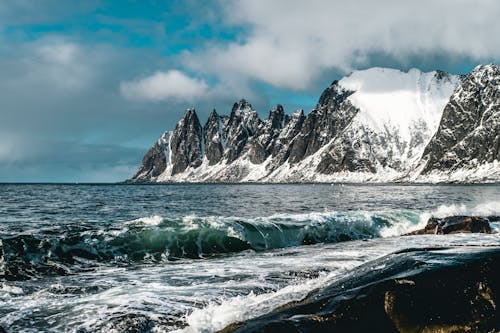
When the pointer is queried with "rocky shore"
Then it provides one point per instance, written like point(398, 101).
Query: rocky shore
point(456, 224)
point(415, 290)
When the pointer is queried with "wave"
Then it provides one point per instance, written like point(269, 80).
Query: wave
point(155, 239)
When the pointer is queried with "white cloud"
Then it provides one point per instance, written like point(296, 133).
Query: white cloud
point(164, 86)
point(66, 64)
point(289, 43)
point(59, 53)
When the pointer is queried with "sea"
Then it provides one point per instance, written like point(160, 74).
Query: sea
point(197, 257)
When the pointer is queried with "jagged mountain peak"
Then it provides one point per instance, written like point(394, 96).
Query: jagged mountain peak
point(190, 112)
point(297, 113)
point(332, 96)
point(213, 114)
point(189, 117)
point(242, 106)
point(483, 74)
point(372, 125)
point(442, 75)
point(491, 67)
point(278, 108)
point(277, 117)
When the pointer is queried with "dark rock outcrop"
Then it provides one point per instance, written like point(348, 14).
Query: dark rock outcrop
point(155, 161)
point(454, 225)
point(186, 143)
point(214, 138)
point(469, 132)
point(283, 145)
point(331, 115)
point(243, 124)
point(433, 290)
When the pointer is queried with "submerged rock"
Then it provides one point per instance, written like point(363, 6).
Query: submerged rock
point(454, 225)
point(419, 290)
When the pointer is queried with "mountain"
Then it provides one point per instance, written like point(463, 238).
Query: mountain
point(375, 125)
point(466, 145)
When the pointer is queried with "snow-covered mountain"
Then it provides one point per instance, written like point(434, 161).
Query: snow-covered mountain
point(376, 125)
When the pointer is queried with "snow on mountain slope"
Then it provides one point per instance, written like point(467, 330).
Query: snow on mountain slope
point(467, 142)
point(371, 126)
point(389, 98)
point(398, 112)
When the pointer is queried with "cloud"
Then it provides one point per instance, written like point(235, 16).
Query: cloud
point(63, 117)
point(165, 86)
point(60, 108)
point(69, 71)
point(63, 63)
point(290, 43)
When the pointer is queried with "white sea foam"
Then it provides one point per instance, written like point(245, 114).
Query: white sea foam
point(218, 315)
point(152, 220)
point(404, 226)
point(489, 208)
point(11, 289)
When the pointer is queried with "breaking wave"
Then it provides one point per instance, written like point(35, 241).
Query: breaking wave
point(156, 239)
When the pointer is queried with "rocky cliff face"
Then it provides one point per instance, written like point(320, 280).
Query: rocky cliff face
point(469, 132)
point(215, 138)
point(155, 161)
point(186, 143)
point(373, 125)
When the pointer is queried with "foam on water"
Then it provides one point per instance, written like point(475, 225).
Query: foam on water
point(487, 208)
point(218, 315)
point(152, 220)
point(160, 258)
point(158, 239)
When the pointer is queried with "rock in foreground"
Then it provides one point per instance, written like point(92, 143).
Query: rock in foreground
point(425, 290)
point(455, 225)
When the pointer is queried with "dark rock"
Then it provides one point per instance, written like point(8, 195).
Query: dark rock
point(155, 160)
point(129, 323)
point(283, 146)
point(243, 123)
point(433, 290)
point(214, 138)
point(453, 225)
point(469, 131)
point(331, 115)
point(186, 143)
point(264, 142)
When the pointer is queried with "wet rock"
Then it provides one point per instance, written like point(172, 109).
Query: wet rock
point(128, 323)
point(454, 225)
point(422, 290)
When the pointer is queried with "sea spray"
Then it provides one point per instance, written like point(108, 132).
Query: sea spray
point(156, 239)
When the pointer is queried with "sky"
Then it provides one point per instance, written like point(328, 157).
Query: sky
point(86, 87)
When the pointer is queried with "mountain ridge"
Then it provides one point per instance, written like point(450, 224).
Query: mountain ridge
point(374, 125)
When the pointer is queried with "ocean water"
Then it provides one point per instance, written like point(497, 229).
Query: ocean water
point(195, 258)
